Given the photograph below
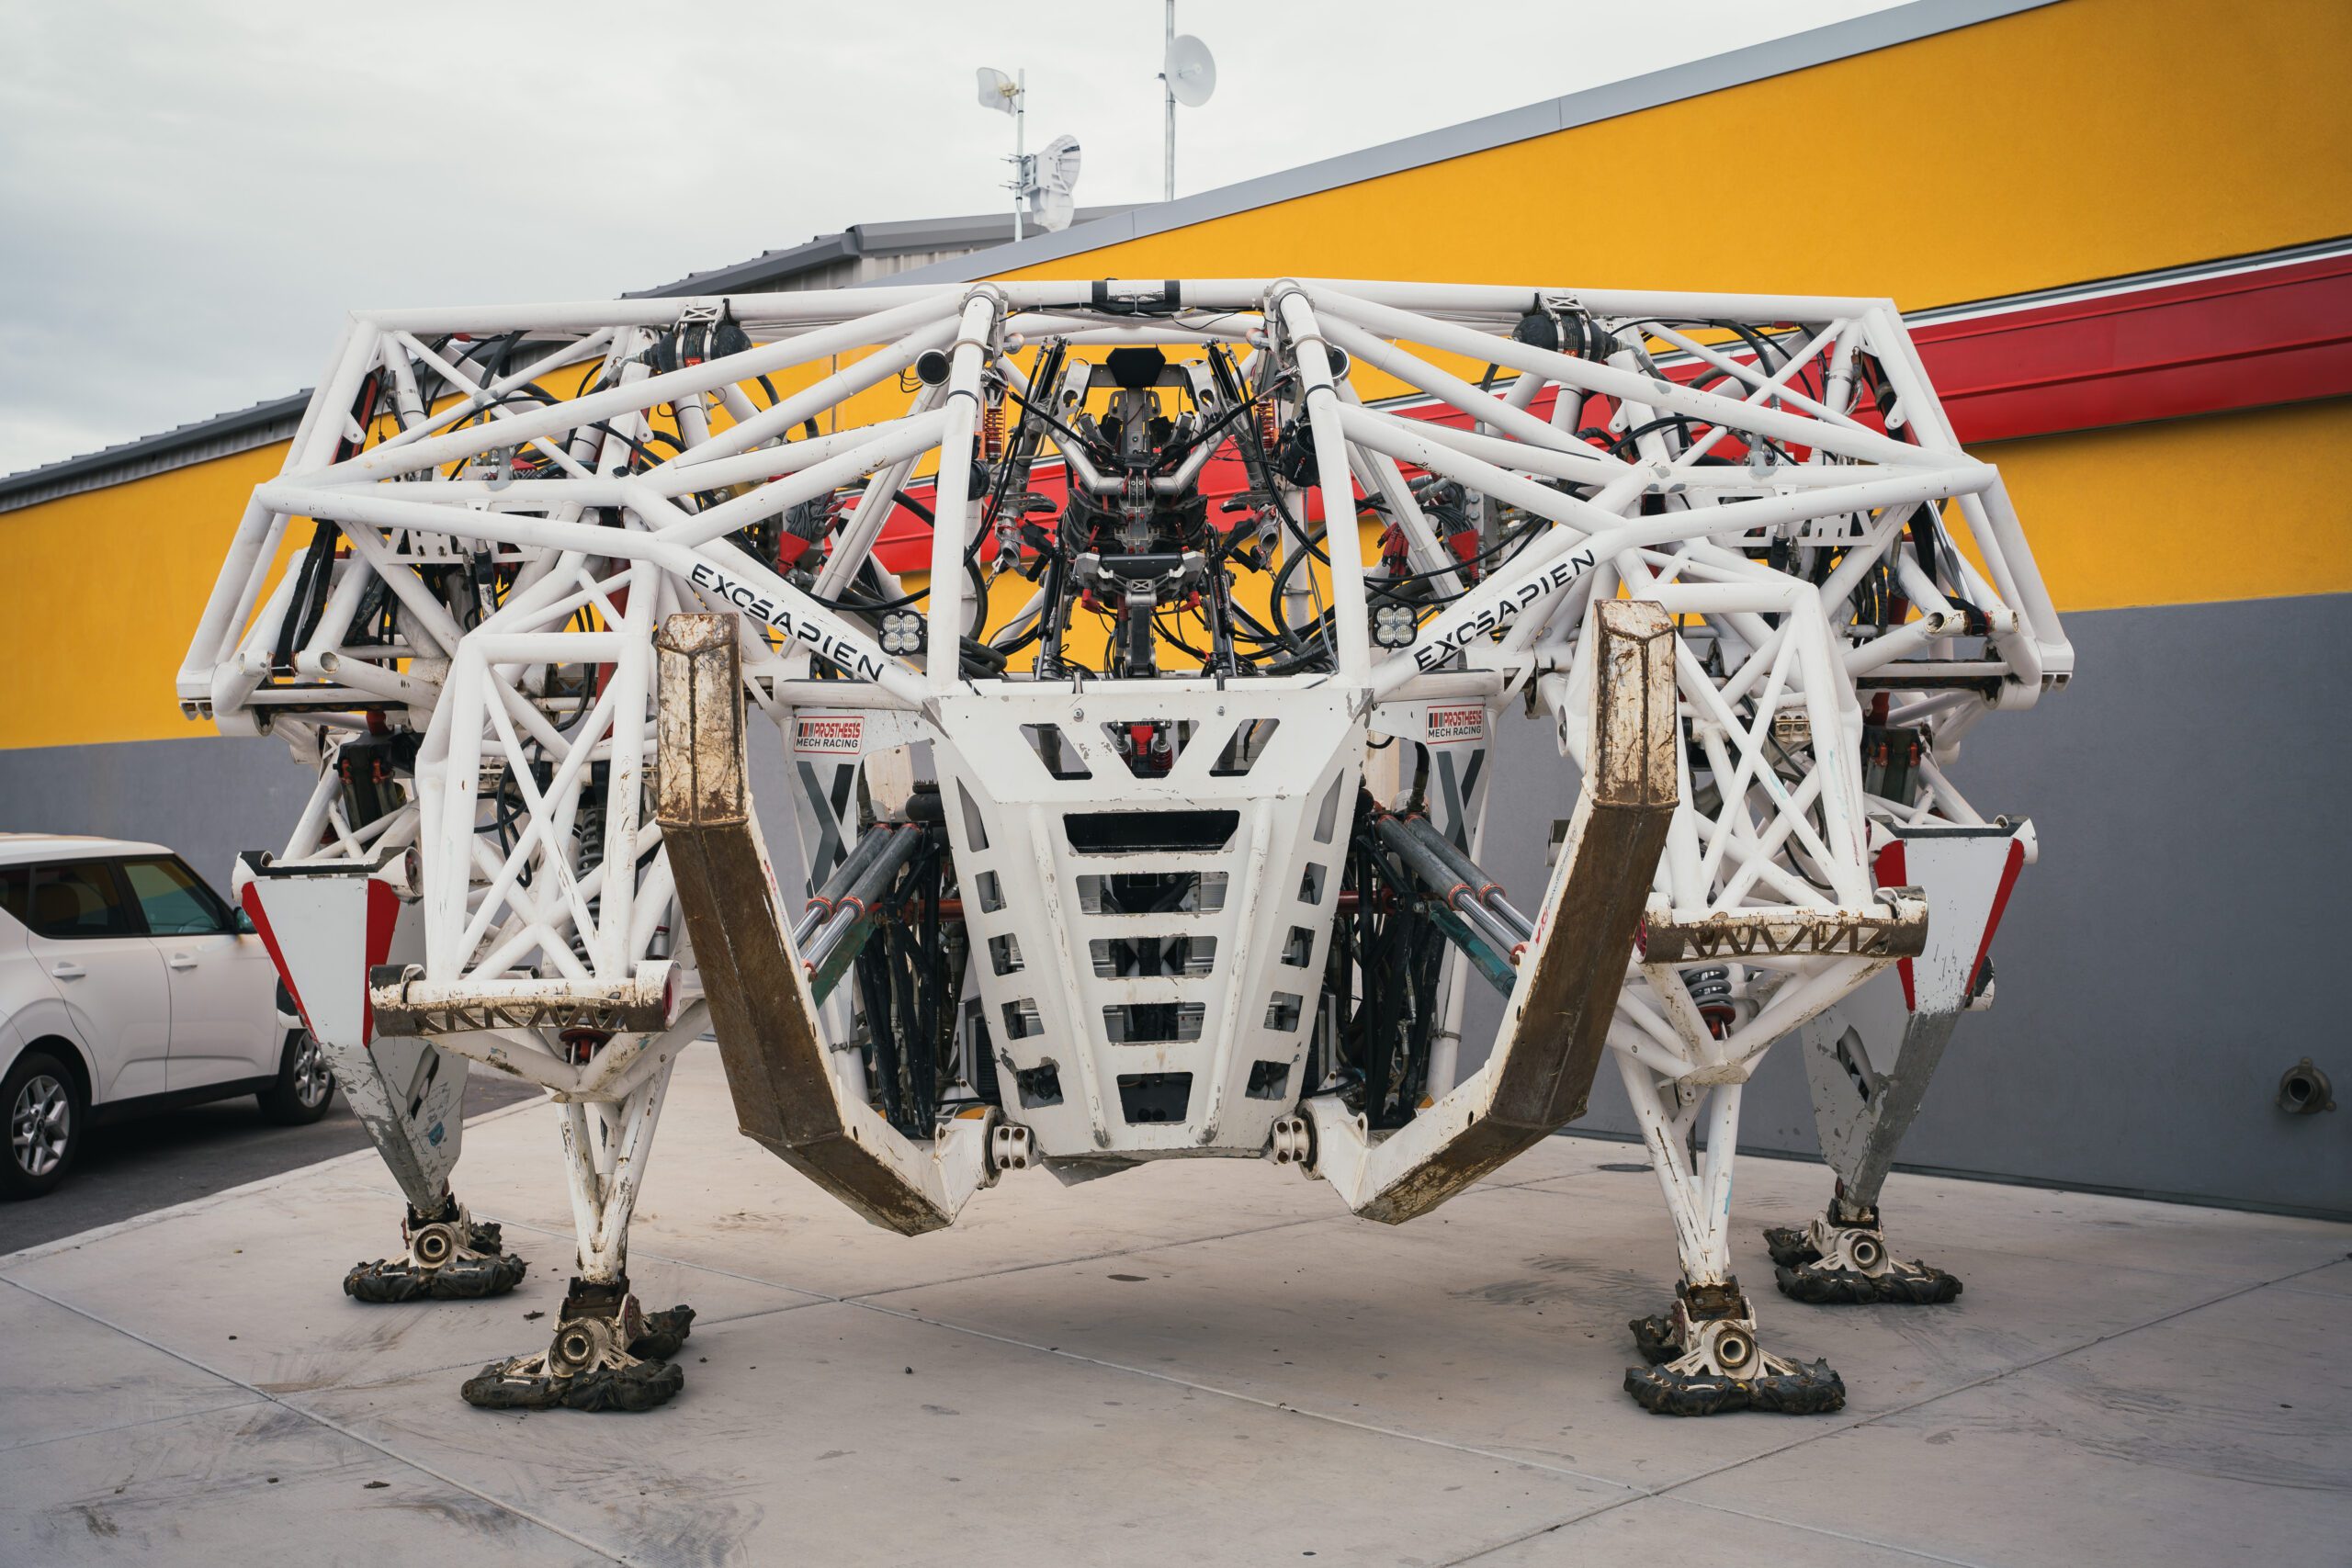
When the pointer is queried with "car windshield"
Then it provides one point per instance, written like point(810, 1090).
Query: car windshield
point(174, 900)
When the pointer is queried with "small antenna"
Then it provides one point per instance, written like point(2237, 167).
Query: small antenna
point(1187, 73)
point(1051, 201)
point(1010, 94)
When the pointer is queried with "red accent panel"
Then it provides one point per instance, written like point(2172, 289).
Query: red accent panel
point(1889, 868)
point(2277, 335)
point(383, 914)
point(2009, 869)
point(251, 902)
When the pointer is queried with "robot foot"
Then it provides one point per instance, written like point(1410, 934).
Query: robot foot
point(1830, 1263)
point(451, 1257)
point(1791, 1246)
point(1704, 1360)
point(608, 1354)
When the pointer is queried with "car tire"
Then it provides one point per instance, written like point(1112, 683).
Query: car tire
point(305, 1085)
point(42, 1100)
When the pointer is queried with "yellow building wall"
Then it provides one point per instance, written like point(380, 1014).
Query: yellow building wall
point(2189, 511)
point(2080, 140)
point(103, 591)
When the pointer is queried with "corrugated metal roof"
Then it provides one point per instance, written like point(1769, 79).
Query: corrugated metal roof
point(859, 239)
point(222, 435)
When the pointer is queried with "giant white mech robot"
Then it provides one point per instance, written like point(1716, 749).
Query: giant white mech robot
point(1139, 653)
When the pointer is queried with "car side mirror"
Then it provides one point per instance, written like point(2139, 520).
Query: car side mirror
point(242, 923)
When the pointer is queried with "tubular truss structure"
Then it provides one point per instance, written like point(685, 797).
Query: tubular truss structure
point(1139, 809)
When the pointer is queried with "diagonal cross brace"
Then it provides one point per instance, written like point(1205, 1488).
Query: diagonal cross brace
point(1556, 1023)
point(787, 1097)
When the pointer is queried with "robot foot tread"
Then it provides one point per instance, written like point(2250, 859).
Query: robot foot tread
point(1703, 1359)
point(608, 1354)
point(451, 1257)
point(1830, 1263)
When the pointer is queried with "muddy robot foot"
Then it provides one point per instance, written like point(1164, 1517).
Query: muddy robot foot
point(608, 1354)
point(451, 1257)
point(1830, 1263)
point(1703, 1360)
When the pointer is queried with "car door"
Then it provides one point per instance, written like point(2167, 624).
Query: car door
point(224, 986)
point(85, 936)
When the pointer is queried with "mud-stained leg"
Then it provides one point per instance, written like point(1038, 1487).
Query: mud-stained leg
point(1703, 1356)
point(607, 1352)
point(325, 924)
point(1869, 1061)
point(764, 1000)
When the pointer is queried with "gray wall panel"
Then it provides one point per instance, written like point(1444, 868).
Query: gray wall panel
point(2176, 948)
point(206, 796)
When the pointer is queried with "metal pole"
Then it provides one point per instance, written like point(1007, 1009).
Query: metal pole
point(1020, 157)
point(1168, 92)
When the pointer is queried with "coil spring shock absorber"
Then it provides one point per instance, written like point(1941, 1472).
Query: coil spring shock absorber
point(1710, 991)
point(993, 432)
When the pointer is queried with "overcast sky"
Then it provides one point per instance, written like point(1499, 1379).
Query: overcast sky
point(195, 190)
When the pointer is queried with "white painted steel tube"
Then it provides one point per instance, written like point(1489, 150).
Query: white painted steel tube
point(952, 509)
point(562, 418)
point(829, 393)
point(745, 584)
point(1632, 387)
point(1350, 618)
point(1484, 407)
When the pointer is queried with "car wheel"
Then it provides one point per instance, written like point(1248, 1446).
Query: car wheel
point(305, 1085)
point(45, 1115)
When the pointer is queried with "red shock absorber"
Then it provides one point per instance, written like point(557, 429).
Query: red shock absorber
point(992, 433)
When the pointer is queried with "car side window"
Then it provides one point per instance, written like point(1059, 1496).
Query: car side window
point(79, 898)
point(16, 893)
point(174, 898)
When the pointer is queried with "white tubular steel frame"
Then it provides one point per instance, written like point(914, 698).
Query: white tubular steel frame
point(511, 501)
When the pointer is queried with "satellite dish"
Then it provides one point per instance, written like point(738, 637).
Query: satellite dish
point(1057, 168)
point(997, 90)
point(1191, 72)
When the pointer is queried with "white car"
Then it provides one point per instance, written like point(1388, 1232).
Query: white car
point(128, 984)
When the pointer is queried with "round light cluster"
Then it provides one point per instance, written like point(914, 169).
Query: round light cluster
point(1393, 626)
point(902, 631)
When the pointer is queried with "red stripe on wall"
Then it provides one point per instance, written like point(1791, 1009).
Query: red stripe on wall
point(2278, 336)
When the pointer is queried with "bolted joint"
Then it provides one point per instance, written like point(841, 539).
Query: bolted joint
point(1711, 1300)
point(1729, 1344)
point(433, 1245)
point(1009, 1148)
point(1292, 1142)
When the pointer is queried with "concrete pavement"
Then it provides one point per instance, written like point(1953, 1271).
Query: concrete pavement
point(1200, 1363)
